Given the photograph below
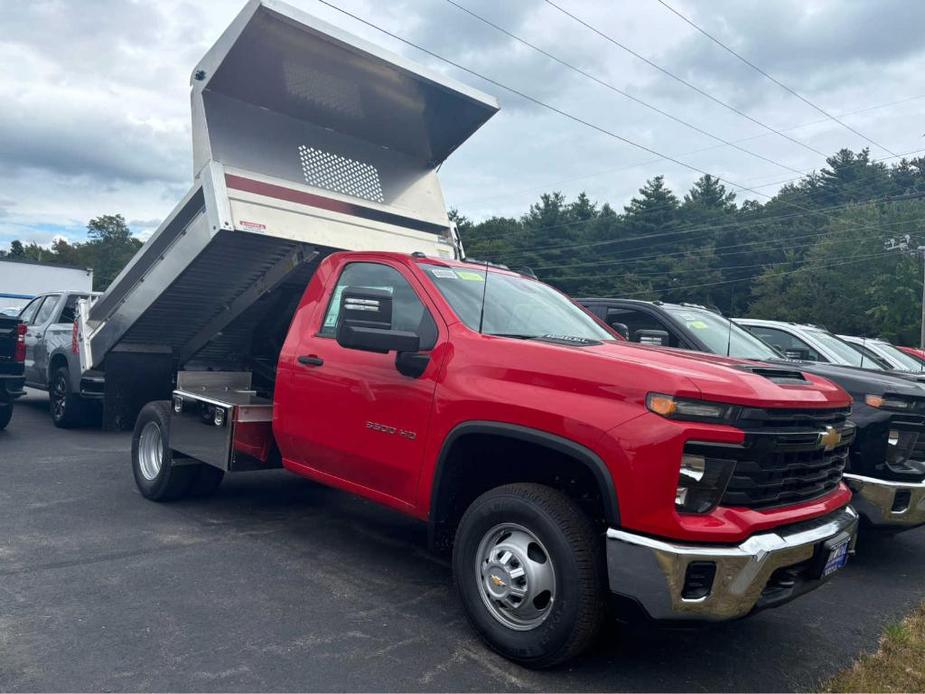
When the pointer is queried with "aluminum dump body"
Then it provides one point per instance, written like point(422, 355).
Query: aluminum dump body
point(306, 140)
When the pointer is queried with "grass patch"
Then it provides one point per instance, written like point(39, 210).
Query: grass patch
point(897, 666)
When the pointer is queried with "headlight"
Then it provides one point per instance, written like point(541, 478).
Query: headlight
point(701, 482)
point(691, 410)
point(887, 403)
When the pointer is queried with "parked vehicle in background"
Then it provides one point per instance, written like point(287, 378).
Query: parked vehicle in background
point(886, 466)
point(22, 280)
point(813, 343)
point(559, 463)
point(52, 362)
point(889, 355)
point(915, 352)
point(12, 357)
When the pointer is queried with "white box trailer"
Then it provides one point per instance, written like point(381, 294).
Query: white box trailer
point(21, 280)
point(306, 140)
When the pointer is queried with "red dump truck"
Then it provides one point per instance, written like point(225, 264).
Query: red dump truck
point(307, 306)
point(560, 463)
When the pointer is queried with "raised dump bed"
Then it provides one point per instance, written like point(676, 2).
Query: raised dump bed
point(306, 140)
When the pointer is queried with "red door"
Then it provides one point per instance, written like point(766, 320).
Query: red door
point(348, 416)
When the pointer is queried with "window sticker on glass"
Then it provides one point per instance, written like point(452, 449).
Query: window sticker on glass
point(470, 275)
point(443, 273)
point(697, 325)
point(331, 320)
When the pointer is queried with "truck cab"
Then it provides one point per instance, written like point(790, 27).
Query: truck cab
point(886, 466)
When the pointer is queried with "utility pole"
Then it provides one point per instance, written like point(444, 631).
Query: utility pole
point(921, 250)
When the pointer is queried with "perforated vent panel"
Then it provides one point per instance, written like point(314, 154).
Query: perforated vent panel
point(340, 174)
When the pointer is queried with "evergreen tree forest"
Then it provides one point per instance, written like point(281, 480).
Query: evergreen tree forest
point(815, 252)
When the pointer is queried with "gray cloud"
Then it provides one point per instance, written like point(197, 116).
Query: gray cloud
point(812, 47)
point(95, 115)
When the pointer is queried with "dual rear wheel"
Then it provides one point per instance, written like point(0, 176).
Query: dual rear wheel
point(157, 475)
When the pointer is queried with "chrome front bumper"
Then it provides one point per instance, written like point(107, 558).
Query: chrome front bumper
point(898, 505)
point(654, 573)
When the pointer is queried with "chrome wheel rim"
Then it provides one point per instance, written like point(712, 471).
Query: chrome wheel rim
point(150, 450)
point(58, 397)
point(516, 577)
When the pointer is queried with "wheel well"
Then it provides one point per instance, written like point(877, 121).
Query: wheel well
point(480, 458)
point(57, 361)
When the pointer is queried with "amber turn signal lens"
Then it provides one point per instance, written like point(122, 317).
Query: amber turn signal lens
point(661, 404)
point(874, 400)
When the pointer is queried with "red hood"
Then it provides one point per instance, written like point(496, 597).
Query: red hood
point(721, 379)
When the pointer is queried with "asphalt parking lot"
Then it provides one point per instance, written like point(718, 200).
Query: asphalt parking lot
point(279, 584)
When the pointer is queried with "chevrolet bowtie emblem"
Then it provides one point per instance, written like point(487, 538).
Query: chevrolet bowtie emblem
point(497, 581)
point(829, 438)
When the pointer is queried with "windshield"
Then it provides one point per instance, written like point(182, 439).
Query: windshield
point(906, 362)
point(514, 306)
point(844, 352)
point(721, 335)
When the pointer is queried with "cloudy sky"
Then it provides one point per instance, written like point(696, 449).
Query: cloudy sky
point(95, 106)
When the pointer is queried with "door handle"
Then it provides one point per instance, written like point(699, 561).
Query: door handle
point(310, 360)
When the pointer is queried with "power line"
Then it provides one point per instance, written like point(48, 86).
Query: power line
point(614, 88)
point(684, 81)
point(550, 107)
point(752, 277)
point(746, 224)
point(678, 254)
point(698, 151)
point(658, 208)
point(770, 77)
point(668, 273)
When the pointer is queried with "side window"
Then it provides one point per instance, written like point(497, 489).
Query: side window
point(792, 346)
point(28, 313)
point(44, 314)
point(408, 313)
point(69, 312)
point(629, 322)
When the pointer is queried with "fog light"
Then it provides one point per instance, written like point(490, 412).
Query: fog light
point(901, 501)
point(693, 466)
point(701, 482)
point(219, 416)
point(698, 580)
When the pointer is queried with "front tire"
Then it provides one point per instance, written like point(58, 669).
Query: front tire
point(529, 569)
point(156, 477)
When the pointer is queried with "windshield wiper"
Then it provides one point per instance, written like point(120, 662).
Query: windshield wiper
point(516, 336)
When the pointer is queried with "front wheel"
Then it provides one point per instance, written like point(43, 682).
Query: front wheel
point(529, 570)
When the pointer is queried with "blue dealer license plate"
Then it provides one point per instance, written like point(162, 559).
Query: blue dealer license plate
point(838, 557)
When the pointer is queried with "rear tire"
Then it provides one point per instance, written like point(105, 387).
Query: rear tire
point(6, 414)
point(68, 409)
point(155, 474)
point(529, 569)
